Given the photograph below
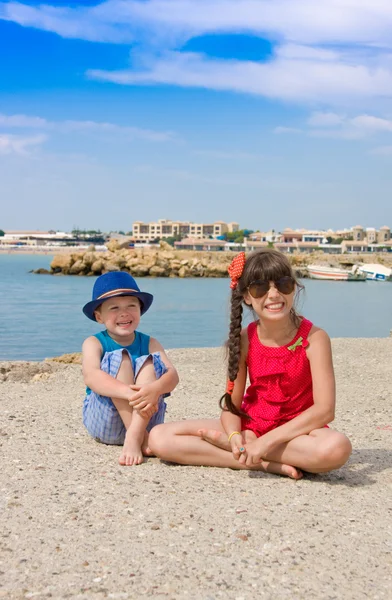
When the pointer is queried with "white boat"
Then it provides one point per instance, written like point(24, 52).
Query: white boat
point(335, 273)
point(376, 272)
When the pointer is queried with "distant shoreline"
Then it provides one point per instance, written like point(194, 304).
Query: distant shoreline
point(41, 250)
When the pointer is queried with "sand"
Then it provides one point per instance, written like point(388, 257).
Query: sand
point(74, 524)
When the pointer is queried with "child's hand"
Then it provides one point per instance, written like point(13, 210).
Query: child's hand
point(255, 452)
point(145, 395)
point(149, 410)
point(238, 447)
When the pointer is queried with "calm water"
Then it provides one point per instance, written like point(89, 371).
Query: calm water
point(41, 315)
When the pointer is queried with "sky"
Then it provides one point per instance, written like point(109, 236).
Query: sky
point(270, 113)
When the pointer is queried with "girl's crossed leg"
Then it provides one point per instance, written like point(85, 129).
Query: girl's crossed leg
point(182, 442)
point(320, 451)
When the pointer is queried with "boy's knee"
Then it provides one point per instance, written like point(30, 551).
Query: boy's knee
point(148, 372)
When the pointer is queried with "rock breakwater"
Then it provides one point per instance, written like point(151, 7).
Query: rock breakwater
point(165, 261)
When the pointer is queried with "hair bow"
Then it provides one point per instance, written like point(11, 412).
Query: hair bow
point(236, 269)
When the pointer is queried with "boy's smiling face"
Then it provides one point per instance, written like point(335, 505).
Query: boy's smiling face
point(121, 316)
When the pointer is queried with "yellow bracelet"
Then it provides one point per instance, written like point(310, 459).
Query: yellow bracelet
point(234, 433)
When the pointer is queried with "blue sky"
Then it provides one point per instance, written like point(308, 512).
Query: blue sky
point(272, 113)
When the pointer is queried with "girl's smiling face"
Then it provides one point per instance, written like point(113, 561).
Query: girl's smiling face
point(121, 316)
point(274, 305)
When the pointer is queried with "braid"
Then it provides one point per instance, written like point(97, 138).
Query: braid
point(234, 349)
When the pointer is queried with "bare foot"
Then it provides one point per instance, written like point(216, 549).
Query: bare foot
point(279, 469)
point(145, 449)
point(131, 453)
point(219, 439)
point(216, 438)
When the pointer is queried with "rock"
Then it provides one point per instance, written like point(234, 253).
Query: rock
point(41, 377)
point(42, 272)
point(97, 266)
point(111, 266)
point(164, 245)
point(157, 271)
point(117, 244)
point(183, 272)
point(77, 267)
point(167, 255)
point(61, 262)
point(24, 372)
point(113, 245)
point(140, 270)
point(132, 262)
point(73, 358)
point(175, 264)
point(89, 258)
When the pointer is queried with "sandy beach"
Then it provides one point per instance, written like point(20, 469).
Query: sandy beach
point(74, 524)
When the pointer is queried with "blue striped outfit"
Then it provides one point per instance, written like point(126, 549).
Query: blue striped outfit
point(100, 416)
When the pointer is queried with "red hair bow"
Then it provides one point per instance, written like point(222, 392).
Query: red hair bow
point(236, 269)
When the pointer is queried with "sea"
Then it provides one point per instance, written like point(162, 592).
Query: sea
point(41, 315)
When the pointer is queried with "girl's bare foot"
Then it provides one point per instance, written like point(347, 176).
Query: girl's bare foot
point(216, 438)
point(279, 469)
point(145, 448)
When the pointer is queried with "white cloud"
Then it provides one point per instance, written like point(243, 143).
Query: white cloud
point(372, 124)
point(303, 21)
point(295, 51)
point(330, 52)
point(332, 125)
point(14, 144)
point(31, 122)
point(293, 80)
point(382, 151)
point(325, 119)
point(284, 130)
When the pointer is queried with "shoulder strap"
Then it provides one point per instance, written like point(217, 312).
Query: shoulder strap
point(304, 328)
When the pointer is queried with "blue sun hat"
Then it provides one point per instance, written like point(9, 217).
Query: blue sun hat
point(116, 283)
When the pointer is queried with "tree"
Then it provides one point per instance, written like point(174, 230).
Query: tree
point(237, 236)
point(2, 233)
point(173, 238)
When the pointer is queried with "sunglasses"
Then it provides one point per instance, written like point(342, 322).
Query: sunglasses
point(284, 285)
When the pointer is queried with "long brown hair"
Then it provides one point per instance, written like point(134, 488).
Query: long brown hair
point(262, 265)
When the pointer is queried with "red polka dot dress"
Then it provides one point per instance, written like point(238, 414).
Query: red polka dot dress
point(280, 381)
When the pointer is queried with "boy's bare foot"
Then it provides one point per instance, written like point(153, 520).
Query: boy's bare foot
point(131, 453)
point(219, 439)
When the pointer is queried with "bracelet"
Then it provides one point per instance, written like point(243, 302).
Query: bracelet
point(234, 433)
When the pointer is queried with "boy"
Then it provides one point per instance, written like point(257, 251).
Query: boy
point(127, 373)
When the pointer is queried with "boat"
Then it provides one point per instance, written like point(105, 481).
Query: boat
point(376, 272)
point(335, 273)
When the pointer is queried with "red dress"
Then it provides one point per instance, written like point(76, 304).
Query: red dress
point(280, 381)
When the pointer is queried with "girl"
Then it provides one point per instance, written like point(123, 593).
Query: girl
point(280, 424)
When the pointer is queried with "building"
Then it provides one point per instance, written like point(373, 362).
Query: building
point(163, 228)
point(291, 236)
point(358, 233)
point(201, 244)
point(265, 236)
point(384, 235)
